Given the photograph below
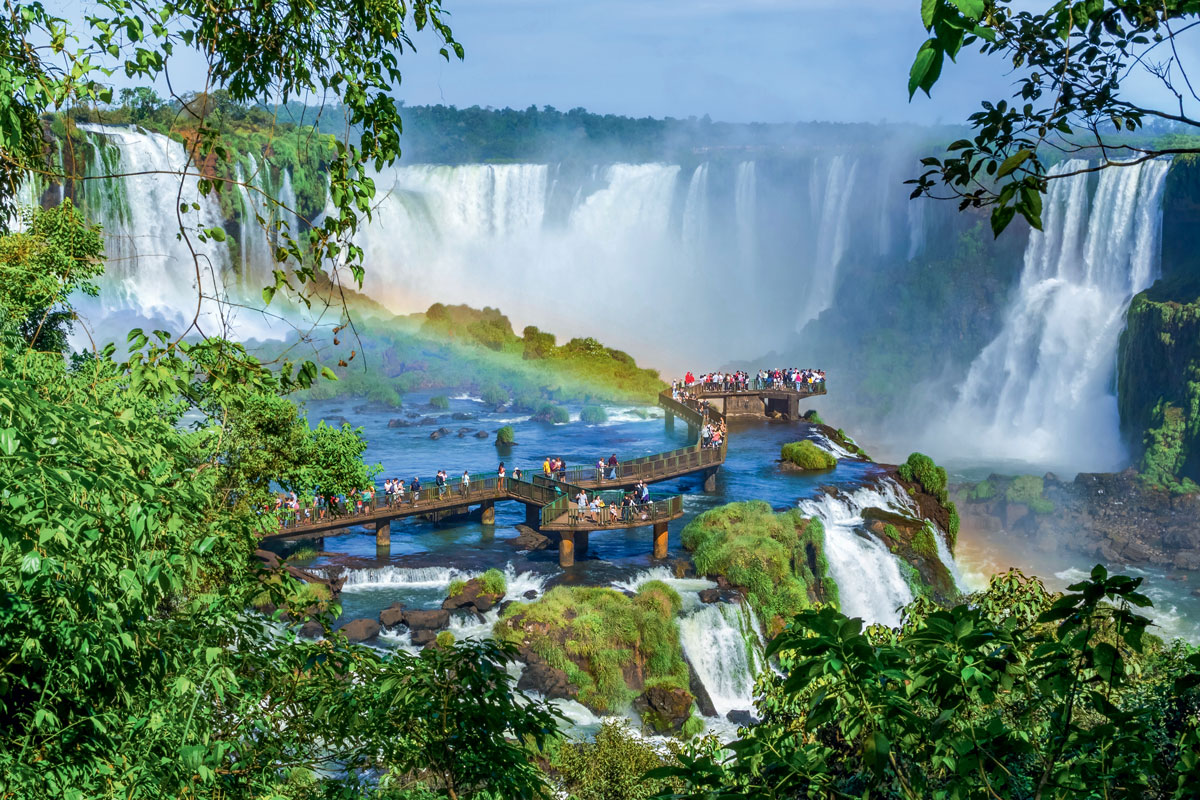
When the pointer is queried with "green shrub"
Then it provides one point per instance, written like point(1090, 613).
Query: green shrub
point(612, 766)
point(548, 412)
point(303, 554)
point(492, 582)
point(493, 395)
point(593, 415)
point(693, 727)
point(456, 588)
point(919, 468)
point(444, 640)
point(806, 455)
point(593, 633)
point(506, 435)
point(537, 345)
point(440, 402)
point(1027, 490)
point(812, 417)
point(778, 558)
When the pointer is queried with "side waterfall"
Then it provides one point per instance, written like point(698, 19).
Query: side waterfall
point(724, 644)
point(1042, 391)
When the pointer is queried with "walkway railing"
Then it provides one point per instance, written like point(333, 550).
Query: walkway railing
point(565, 511)
point(806, 389)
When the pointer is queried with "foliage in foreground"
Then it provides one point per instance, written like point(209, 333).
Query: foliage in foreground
point(778, 558)
point(612, 766)
point(1015, 694)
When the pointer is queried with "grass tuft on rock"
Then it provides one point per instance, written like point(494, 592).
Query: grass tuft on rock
point(807, 456)
point(593, 415)
point(778, 558)
point(493, 583)
point(919, 468)
point(506, 435)
point(596, 634)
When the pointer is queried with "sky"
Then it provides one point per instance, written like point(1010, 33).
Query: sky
point(743, 61)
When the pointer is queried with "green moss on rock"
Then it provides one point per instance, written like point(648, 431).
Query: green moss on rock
point(593, 415)
point(779, 559)
point(807, 456)
point(1028, 490)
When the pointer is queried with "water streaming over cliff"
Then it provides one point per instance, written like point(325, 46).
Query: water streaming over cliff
point(723, 642)
point(1042, 391)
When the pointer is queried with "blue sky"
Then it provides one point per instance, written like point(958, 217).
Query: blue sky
point(741, 61)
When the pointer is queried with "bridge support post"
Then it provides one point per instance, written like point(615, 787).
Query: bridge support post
point(670, 418)
point(383, 533)
point(566, 549)
point(660, 540)
point(581, 542)
point(533, 516)
point(487, 512)
point(793, 407)
point(710, 480)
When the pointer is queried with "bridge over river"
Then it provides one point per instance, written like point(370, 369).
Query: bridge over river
point(550, 503)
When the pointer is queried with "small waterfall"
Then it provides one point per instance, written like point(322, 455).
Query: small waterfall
point(724, 644)
point(1042, 391)
point(402, 577)
point(870, 584)
point(830, 187)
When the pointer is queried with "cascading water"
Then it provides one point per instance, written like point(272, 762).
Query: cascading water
point(830, 188)
point(870, 583)
point(694, 228)
point(1042, 391)
point(723, 642)
point(745, 212)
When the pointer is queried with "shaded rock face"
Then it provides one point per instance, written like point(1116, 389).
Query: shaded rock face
point(914, 545)
point(359, 630)
point(703, 700)
point(1106, 516)
point(399, 423)
point(481, 434)
point(663, 709)
point(742, 718)
point(538, 676)
point(421, 638)
point(719, 595)
point(311, 630)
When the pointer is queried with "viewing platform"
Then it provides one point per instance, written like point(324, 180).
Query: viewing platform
point(752, 402)
point(550, 503)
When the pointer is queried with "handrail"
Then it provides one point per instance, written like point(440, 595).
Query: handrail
point(615, 513)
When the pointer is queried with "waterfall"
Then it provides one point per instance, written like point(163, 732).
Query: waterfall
point(870, 584)
point(1042, 391)
point(724, 644)
point(830, 187)
point(694, 230)
point(745, 212)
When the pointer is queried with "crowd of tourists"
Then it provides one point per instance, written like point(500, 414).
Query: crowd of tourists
point(741, 381)
point(632, 506)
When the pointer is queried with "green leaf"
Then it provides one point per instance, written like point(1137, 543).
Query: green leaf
point(971, 8)
point(1001, 216)
point(268, 293)
point(8, 441)
point(1012, 162)
point(328, 374)
point(926, 68)
point(928, 7)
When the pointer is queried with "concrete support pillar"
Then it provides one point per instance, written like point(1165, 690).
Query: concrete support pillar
point(383, 533)
point(566, 549)
point(487, 512)
point(581, 542)
point(710, 480)
point(670, 422)
point(660, 540)
point(533, 516)
point(794, 407)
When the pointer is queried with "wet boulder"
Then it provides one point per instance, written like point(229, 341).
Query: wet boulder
point(423, 636)
point(392, 616)
point(532, 594)
point(360, 630)
point(399, 423)
point(311, 630)
point(462, 415)
point(550, 682)
point(431, 620)
point(529, 539)
point(481, 434)
point(471, 598)
point(428, 421)
point(719, 595)
point(741, 718)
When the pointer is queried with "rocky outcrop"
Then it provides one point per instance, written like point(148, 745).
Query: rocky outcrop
point(311, 630)
point(1113, 517)
point(664, 709)
point(432, 620)
point(540, 677)
point(912, 540)
point(360, 630)
point(719, 595)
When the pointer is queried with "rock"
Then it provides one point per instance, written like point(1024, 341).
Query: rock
point(550, 682)
point(435, 435)
point(463, 431)
point(742, 718)
point(428, 421)
point(269, 560)
point(664, 709)
point(412, 415)
point(399, 423)
point(529, 539)
point(1195, 592)
point(720, 596)
point(311, 630)
point(422, 637)
point(531, 594)
point(392, 616)
point(499, 409)
point(481, 434)
point(1186, 559)
point(359, 630)
point(683, 568)
point(462, 415)
point(432, 620)
point(472, 598)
